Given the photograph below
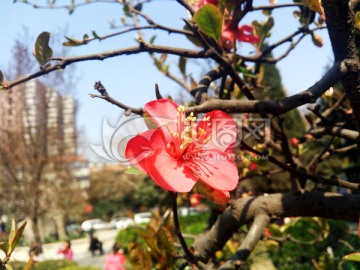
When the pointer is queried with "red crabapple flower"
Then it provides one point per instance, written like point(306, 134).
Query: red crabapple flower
point(243, 33)
point(197, 4)
point(181, 152)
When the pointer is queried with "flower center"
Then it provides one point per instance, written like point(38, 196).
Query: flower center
point(187, 136)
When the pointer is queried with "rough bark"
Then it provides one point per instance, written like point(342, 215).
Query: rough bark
point(279, 205)
point(340, 20)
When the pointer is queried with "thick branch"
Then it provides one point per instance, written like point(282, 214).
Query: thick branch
point(340, 20)
point(272, 106)
point(337, 131)
point(252, 106)
point(252, 237)
point(279, 205)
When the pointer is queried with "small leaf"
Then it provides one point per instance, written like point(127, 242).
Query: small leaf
point(132, 170)
point(316, 39)
point(95, 35)
point(29, 263)
point(163, 58)
point(14, 237)
point(73, 42)
point(315, 5)
point(209, 20)
point(138, 7)
point(42, 50)
point(4, 246)
point(152, 39)
point(355, 257)
point(275, 231)
point(182, 65)
point(70, 9)
point(126, 10)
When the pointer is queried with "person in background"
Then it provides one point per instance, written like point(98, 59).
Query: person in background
point(95, 244)
point(66, 251)
point(115, 260)
point(35, 252)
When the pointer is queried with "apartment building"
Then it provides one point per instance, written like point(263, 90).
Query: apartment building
point(42, 120)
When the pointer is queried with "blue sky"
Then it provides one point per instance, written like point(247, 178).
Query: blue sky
point(131, 79)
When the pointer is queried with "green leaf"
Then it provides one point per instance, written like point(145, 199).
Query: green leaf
point(72, 42)
point(316, 39)
point(132, 170)
point(209, 20)
point(275, 231)
point(138, 7)
point(95, 35)
point(42, 50)
point(355, 257)
point(306, 231)
point(182, 65)
point(152, 39)
point(14, 237)
point(4, 246)
point(126, 10)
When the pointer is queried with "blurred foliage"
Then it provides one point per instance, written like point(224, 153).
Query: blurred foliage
point(311, 243)
point(44, 265)
point(153, 244)
point(53, 265)
point(115, 193)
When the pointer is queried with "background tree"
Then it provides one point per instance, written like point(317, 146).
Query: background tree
point(33, 155)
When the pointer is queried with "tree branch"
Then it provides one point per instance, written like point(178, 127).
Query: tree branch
point(142, 47)
point(243, 211)
point(252, 237)
point(337, 131)
point(340, 20)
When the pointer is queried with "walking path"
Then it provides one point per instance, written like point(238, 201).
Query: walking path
point(79, 246)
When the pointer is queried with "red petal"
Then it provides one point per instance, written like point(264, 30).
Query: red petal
point(216, 169)
point(170, 173)
point(228, 35)
point(222, 129)
point(161, 111)
point(246, 28)
point(142, 146)
point(248, 38)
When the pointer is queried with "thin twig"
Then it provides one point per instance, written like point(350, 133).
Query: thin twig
point(189, 256)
